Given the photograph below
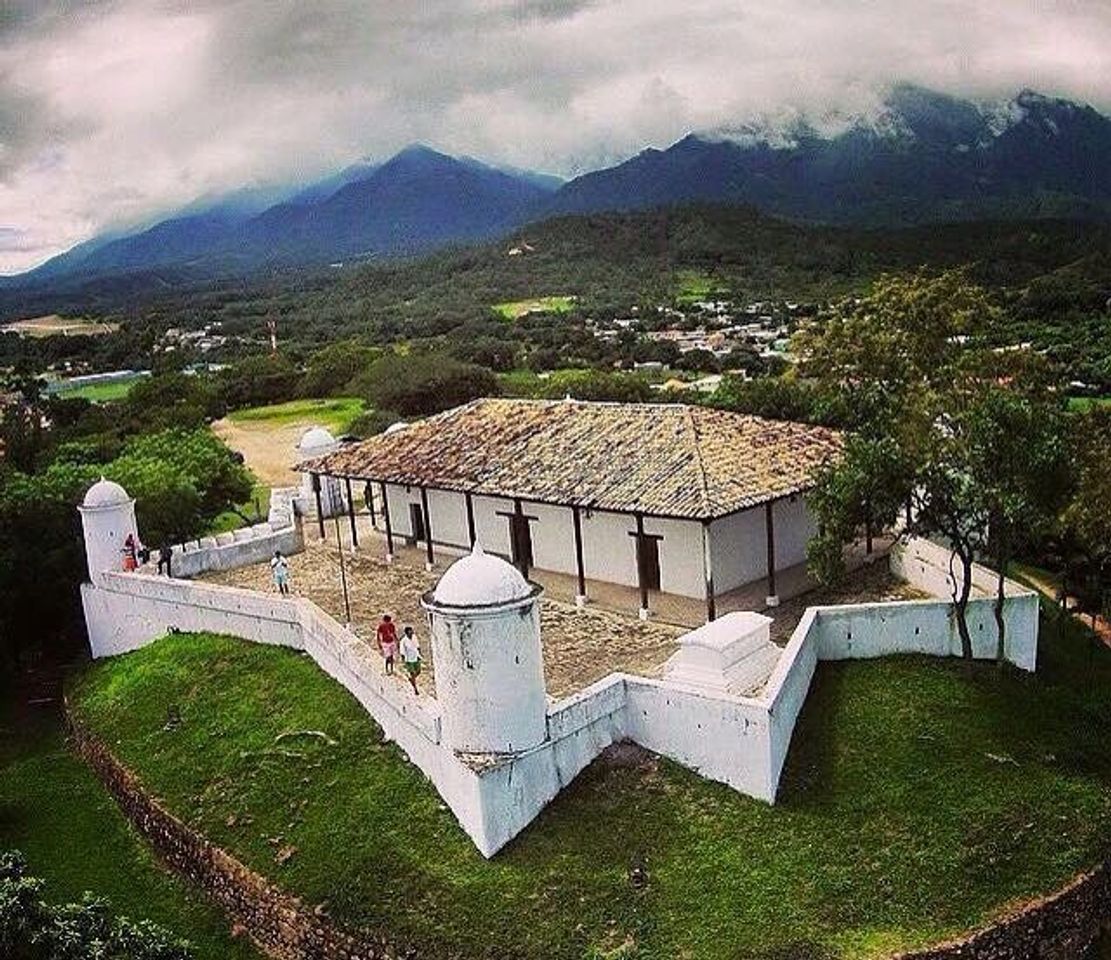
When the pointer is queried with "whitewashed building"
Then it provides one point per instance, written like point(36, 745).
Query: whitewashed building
point(662, 497)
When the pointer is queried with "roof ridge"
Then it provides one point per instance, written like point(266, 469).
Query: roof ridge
point(703, 483)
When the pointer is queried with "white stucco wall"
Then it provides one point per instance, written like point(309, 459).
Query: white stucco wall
point(720, 737)
point(227, 551)
point(739, 545)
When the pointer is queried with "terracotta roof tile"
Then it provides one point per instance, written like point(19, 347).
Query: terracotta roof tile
point(658, 459)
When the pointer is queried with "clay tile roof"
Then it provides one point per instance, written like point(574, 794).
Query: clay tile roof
point(669, 460)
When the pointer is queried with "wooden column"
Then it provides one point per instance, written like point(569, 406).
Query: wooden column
point(470, 520)
point(386, 520)
point(319, 508)
point(427, 526)
point(769, 528)
point(642, 580)
point(580, 569)
point(368, 495)
point(708, 569)
point(351, 514)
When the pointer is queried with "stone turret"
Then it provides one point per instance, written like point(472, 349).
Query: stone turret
point(485, 624)
point(318, 442)
point(107, 517)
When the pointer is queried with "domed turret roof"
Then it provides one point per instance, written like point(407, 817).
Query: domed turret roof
point(105, 493)
point(480, 580)
point(315, 438)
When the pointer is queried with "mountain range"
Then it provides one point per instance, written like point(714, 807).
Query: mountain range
point(924, 157)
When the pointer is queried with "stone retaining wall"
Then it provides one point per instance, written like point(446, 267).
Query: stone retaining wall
point(1061, 926)
point(1058, 927)
point(279, 924)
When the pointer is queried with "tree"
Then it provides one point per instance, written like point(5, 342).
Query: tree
point(1086, 520)
point(969, 436)
point(596, 385)
point(1018, 468)
point(172, 400)
point(420, 384)
point(774, 398)
point(31, 929)
point(257, 380)
point(329, 372)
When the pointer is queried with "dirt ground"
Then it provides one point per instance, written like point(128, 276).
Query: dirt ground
point(270, 450)
point(580, 646)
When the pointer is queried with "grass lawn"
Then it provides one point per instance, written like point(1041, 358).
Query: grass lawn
point(917, 800)
point(56, 812)
point(99, 392)
point(1080, 404)
point(335, 413)
point(515, 309)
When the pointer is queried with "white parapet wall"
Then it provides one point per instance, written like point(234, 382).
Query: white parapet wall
point(741, 741)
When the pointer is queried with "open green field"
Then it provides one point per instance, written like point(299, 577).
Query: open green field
point(100, 392)
point(918, 799)
point(335, 413)
point(515, 309)
point(692, 285)
point(74, 837)
point(1080, 404)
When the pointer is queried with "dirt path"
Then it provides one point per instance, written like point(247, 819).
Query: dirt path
point(270, 450)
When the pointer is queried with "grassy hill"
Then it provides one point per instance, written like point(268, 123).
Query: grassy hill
point(917, 801)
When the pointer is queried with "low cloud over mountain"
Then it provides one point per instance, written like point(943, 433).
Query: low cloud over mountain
point(113, 114)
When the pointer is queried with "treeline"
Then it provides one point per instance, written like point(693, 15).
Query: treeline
point(1051, 276)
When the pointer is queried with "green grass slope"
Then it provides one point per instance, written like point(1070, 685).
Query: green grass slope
point(917, 802)
point(55, 811)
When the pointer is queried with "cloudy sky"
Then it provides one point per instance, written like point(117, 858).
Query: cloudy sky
point(116, 110)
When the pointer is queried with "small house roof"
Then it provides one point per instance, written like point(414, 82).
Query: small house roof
point(668, 460)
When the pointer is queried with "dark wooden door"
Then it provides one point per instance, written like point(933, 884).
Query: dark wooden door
point(520, 541)
point(650, 562)
point(416, 523)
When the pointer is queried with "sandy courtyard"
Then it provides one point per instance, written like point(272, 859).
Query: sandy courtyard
point(580, 646)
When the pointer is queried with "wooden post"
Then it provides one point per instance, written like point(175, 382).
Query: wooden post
point(368, 495)
point(351, 515)
point(319, 508)
point(386, 520)
point(427, 528)
point(580, 598)
point(708, 569)
point(642, 580)
point(769, 529)
point(470, 519)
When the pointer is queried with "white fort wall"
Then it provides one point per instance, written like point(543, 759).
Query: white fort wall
point(738, 543)
point(739, 741)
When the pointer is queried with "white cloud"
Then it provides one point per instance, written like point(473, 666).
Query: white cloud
point(114, 111)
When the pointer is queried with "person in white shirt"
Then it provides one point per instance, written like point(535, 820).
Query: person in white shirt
point(279, 569)
point(410, 657)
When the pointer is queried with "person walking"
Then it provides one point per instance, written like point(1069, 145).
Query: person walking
point(165, 554)
point(279, 569)
point(387, 641)
point(410, 656)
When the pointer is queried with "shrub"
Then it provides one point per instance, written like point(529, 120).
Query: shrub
point(420, 384)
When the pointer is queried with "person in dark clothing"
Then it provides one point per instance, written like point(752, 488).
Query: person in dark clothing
point(165, 553)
